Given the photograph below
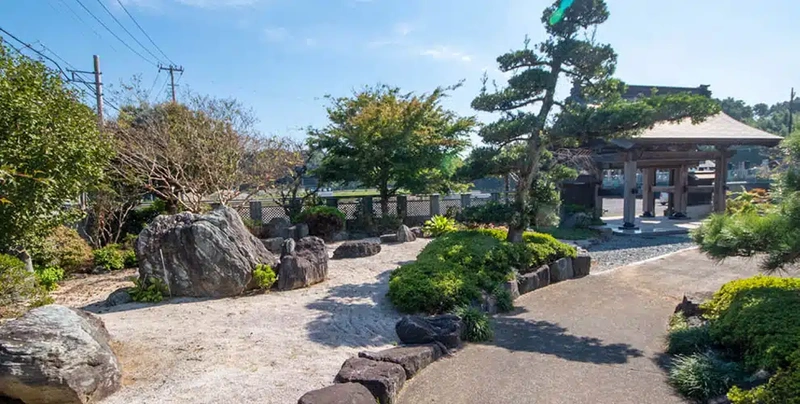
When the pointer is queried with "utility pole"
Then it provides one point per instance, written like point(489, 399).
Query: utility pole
point(98, 86)
point(791, 104)
point(172, 69)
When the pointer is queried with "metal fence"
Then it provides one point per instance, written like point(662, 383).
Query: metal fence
point(414, 209)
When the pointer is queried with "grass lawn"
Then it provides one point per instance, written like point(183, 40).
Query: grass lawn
point(568, 234)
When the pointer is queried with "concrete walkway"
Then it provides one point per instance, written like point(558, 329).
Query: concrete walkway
point(595, 340)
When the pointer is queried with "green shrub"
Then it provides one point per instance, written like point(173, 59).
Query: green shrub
point(759, 318)
point(701, 376)
point(454, 268)
point(431, 287)
point(560, 250)
point(562, 233)
point(439, 225)
point(129, 259)
point(677, 321)
point(63, 248)
point(151, 290)
point(139, 218)
point(19, 290)
point(504, 301)
point(782, 388)
point(48, 277)
point(491, 212)
point(388, 224)
point(688, 340)
point(265, 276)
point(476, 325)
point(322, 221)
point(109, 257)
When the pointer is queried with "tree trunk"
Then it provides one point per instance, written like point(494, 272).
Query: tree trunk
point(384, 205)
point(171, 206)
point(519, 225)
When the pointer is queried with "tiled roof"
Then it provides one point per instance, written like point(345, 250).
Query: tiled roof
point(718, 129)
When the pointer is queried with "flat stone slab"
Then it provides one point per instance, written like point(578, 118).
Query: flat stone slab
point(356, 249)
point(389, 238)
point(528, 282)
point(344, 393)
point(412, 358)
point(544, 276)
point(383, 379)
point(561, 270)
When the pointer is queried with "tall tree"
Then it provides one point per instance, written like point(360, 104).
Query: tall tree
point(383, 138)
point(50, 151)
point(531, 114)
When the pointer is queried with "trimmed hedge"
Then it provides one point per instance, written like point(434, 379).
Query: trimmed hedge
point(453, 269)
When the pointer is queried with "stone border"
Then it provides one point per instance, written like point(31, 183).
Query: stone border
point(380, 376)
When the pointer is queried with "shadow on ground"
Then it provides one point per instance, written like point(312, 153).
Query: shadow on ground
point(518, 334)
point(631, 242)
point(354, 315)
point(99, 307)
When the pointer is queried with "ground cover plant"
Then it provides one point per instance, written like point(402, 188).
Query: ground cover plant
point(452, 270)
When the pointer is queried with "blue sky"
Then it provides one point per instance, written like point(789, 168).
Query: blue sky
point(281, 56)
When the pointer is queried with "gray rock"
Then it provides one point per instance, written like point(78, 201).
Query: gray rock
point(357, 249)
point(118, 297)
point(581, 265)
point(411, 358)
point(417, 232)
point(55, 354)
point(512, 287)
point(298, 231)
point(288, 247)
point(383, 379)
point(307, 265)
point(344, 393)
point(405, 235)
point(208, 255)
point(561, 270)
point(388, 238)
point(723, 399)
point(487, 302)
point(340, 236)
point(577, 220)
point(544, 276)
point(528, 282)
point(688, 308)
point(445, 329)
point(278, 227)
point(273, 245)
point(99, 270)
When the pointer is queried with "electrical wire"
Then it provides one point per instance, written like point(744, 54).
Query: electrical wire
point(153, 86)
point(83, 23)
point(36, 51)
point(126, 30)
point(144, 32)
point(114, 34)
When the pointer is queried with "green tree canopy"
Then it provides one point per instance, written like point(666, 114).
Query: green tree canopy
point(50, 151)
point(531, 115)
point(381, 137)
point(773, 119)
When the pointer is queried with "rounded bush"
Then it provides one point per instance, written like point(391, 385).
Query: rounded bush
point(64, 248)
point(688, 340)
point(109, 257)
point(265, 276)
point(19, 289)
point(49, 277)
point(322, 221)
point(430, 287)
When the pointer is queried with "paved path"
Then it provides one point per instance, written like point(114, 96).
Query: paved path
point(593, 340)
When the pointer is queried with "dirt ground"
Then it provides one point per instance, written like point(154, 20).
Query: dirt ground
point(265, 348)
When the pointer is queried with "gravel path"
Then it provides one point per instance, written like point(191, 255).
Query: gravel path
point(264, 348)
point(623, 250)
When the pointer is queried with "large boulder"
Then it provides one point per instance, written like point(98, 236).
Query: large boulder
point(357, 249)
point(119, 297)
point(303, 265)
point(273, 244)
point(278, 227)
point(405, 235)
point(388, 238)
point(412, 358)
point(582, 265)
point(383, 379)
point(201, 255)
point(344, 393)
point(527, 282)
point(445, 329)
point(543, 273)
point(55, 354)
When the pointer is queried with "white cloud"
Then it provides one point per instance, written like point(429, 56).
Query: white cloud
point(311, 41)
point(445, 53)
point(275, 34)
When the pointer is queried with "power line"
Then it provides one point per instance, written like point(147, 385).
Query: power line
point(114, 34)
point(153, 86)
point(144, 32)
point(83, 23)
point(126, 30)
point(36, 51)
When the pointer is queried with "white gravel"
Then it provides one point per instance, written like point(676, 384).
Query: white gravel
point(265, 348)
point(624, 250)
